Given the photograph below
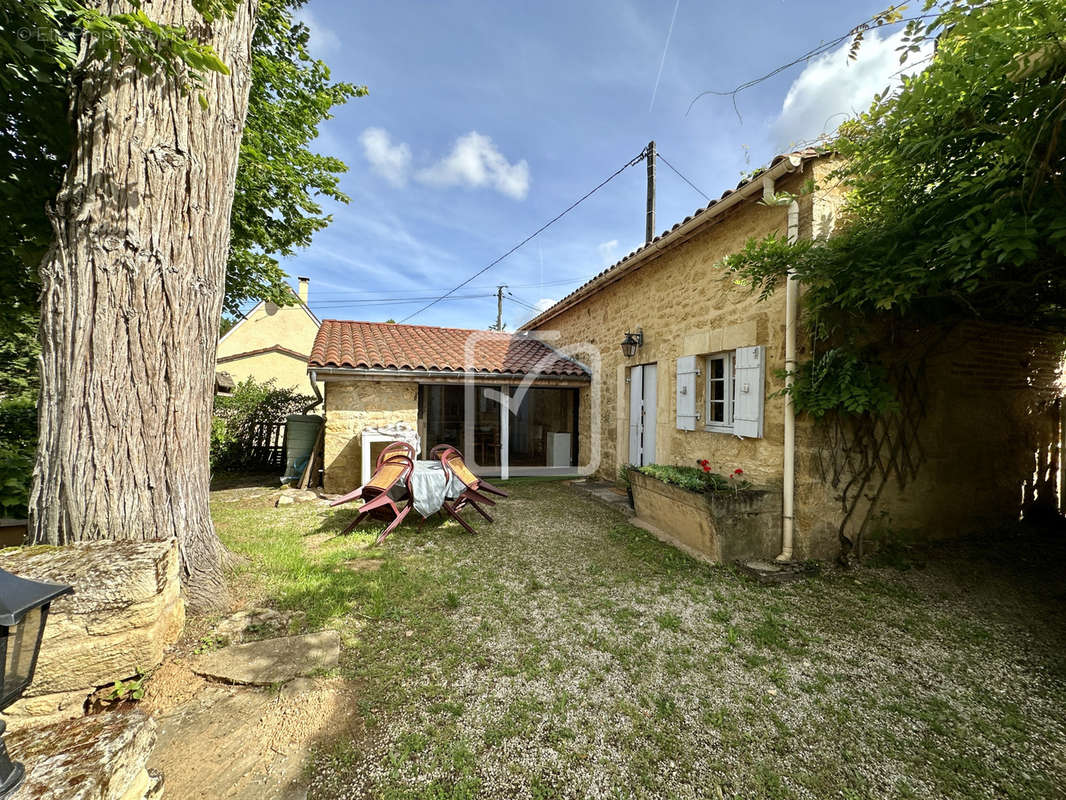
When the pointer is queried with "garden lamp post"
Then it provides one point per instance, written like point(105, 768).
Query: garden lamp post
point(23, 612)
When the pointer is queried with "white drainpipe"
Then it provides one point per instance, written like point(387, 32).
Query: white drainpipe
point(788, 499)
point(788, 493)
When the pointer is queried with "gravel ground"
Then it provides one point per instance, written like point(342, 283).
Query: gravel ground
point(564, 653)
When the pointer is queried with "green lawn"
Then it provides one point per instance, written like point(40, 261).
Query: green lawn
point(565, 653)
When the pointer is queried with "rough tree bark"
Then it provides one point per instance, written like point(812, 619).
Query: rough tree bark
point(131, 299)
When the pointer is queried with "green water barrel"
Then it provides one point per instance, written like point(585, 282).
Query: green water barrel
point(301, 432)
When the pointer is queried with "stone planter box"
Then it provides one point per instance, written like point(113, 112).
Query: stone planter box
point(720, 527)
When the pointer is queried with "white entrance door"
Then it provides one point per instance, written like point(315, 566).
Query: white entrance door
point(642, 393)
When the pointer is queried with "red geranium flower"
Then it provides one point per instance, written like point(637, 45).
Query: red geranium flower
point(706, 467)
point(702, 462)
point(738, 471)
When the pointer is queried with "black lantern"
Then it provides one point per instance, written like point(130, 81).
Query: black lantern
point(23, 612)
point(632, 342)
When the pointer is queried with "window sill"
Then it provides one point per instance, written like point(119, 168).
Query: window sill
point(718, 429)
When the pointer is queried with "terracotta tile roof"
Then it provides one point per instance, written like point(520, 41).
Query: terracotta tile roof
point(386, 345)
point(806, 154)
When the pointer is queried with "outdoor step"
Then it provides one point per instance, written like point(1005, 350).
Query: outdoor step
point(271, 661)
point(604, 492)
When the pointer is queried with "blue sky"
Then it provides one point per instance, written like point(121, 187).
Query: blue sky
point(485, 120)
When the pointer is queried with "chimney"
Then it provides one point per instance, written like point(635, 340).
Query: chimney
point(303, 289)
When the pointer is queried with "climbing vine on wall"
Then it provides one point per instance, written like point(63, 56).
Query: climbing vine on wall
point(957, 197)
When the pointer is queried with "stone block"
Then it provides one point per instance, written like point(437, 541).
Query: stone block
point(125, 611)
point(101, 757)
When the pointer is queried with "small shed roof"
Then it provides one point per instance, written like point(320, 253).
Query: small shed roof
point(346, 344)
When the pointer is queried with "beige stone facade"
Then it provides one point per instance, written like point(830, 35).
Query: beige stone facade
point(685, 304)
point(985, 422)
point(352, 406)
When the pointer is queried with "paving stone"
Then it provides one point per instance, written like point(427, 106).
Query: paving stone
point(271, 661)
point(248, 743)
point(776, 572)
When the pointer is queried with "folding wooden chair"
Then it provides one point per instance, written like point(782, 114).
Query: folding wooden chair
point(389, 485)
point(472, 494)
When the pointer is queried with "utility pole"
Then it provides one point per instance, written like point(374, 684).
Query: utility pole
point(649, 233)
point(499, 307)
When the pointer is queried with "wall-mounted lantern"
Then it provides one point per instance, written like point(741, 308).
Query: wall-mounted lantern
point(632, 342)
point(23, 612)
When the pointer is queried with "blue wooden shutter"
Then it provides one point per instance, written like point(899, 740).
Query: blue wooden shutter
point(748, 390)
point(687, 370)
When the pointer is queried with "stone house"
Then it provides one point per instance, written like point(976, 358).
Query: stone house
point(700, 372)
point(432, 385)
point(270, 342)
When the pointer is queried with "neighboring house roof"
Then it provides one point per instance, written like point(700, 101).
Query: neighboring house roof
point(780, 164)
point(244, 317)
point(277, 348)
point(342, 344)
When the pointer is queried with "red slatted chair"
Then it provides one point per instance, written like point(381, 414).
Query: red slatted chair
point(472, 495)
point(389, 485)
point(396, 447)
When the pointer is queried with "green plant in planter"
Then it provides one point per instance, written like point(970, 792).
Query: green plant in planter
point(694, 479)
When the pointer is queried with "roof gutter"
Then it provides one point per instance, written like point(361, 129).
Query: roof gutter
point(671, 239)
point(371, 372)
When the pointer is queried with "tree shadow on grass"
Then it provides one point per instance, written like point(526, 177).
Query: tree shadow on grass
point(244, 480)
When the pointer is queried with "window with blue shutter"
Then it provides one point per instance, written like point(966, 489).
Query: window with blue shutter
point(748, 389)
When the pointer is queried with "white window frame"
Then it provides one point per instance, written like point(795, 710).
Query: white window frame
point(726, 425)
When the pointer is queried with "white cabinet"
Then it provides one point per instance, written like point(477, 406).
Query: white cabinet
point(559, 450)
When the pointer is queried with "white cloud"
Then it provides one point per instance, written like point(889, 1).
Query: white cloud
point(323, 40)
point(544, 303)
point(607, 251)
point(832, 88)
point(390, 161)
point(475, 162)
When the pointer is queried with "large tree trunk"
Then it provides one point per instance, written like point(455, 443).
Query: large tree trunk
point(131, 299)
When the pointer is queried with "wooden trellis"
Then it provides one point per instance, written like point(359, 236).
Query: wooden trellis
point(858, 456)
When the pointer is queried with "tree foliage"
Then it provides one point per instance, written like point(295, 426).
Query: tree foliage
point(275, 209)
point(956, 204)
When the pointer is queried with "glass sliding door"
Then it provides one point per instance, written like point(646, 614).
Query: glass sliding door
point(444, 408)
point(543, 429)
point(542, 426)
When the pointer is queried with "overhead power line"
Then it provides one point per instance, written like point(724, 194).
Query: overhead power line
point(821, 49)
point(635, 160)
point(391, 301)
point(361, 295)
point(682, 177)
point(520, 302)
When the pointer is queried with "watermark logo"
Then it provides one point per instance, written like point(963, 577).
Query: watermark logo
point(499, 409)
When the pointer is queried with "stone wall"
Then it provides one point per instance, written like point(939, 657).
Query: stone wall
point(125, 611)
point(352, 406)
point(977, 447)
